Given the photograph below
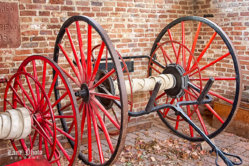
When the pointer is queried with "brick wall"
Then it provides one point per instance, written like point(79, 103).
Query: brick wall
point(233, 17)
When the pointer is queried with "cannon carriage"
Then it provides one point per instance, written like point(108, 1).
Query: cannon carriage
point(83, 99)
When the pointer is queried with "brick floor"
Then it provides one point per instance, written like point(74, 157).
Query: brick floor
point(225, 141)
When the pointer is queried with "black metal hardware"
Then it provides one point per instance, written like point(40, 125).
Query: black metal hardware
point(152, 99)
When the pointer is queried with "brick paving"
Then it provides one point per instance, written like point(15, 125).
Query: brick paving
point(225, 141)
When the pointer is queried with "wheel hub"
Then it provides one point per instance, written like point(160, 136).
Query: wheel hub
point(181, 80)
point(83, 93)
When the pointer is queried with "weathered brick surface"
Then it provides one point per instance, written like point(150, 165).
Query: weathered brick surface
point(232, 17)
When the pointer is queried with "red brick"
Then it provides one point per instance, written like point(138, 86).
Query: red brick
point(132, 10)
point(26, 19)
point(54, 20)
point(52, 7)
point(30, 32)
point(102, 15)
point(112, 4)
point(23, 52)
point(118, 9)
point(28, 13)
point(44, 13)
point(19, 58)
point(82, 3)
point(232, 14)
point(67, 8)
point(121, 4)
point(244, 13)
point(37, 38)
point(57, 1)
point(119, 26)
point(39, 1)
point(95, 3)
point(107, 9)
point(83, 8)
point(53, 27)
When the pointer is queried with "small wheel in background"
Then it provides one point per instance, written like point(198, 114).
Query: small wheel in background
point(32, 87)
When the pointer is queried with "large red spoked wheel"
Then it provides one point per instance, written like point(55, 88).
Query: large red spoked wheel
point(194, 49)
point(94, 73)
point(32, 87)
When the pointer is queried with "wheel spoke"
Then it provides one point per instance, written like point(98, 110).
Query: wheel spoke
point(43, 80)
point(61, 131)
point(70, 63)
point(33, 139)
point(96, 65)
point(214, 113)
point(43, 133)
point(96, 131)
point(161, 95)
point(72, 78)
point(201, 121)
point(26, 94)
point(89, 135)
point(75, 54)
point(89, 53)
point(59, 144)
point(36, 86)
point(215, 78)
point(107, 96)
point(158, 64)
point(24, 146)
point(207, 105)
point(167, 110)
point(212, 63)
point(67, 105)
point(46, 148)
point(40, 142)
point(205, 49)
point(103, 128)
point(217, 95)
point(171, 39)
point(30, 88)
point(194, 44)
point(83, 60)
point(83, 119)
point(18, 97)
point(103, 79)
point(51, 89)
point(155, 69)
point(178, 55)
point(55, 103)
point(59, 116)
point(177, 122)
point(102, 108)
point(183, 43)
point(189, 114)
point(164, 56)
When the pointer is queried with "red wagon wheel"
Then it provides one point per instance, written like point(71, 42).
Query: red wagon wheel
point(193, 57)
point(101, 105)
point(32, 87)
